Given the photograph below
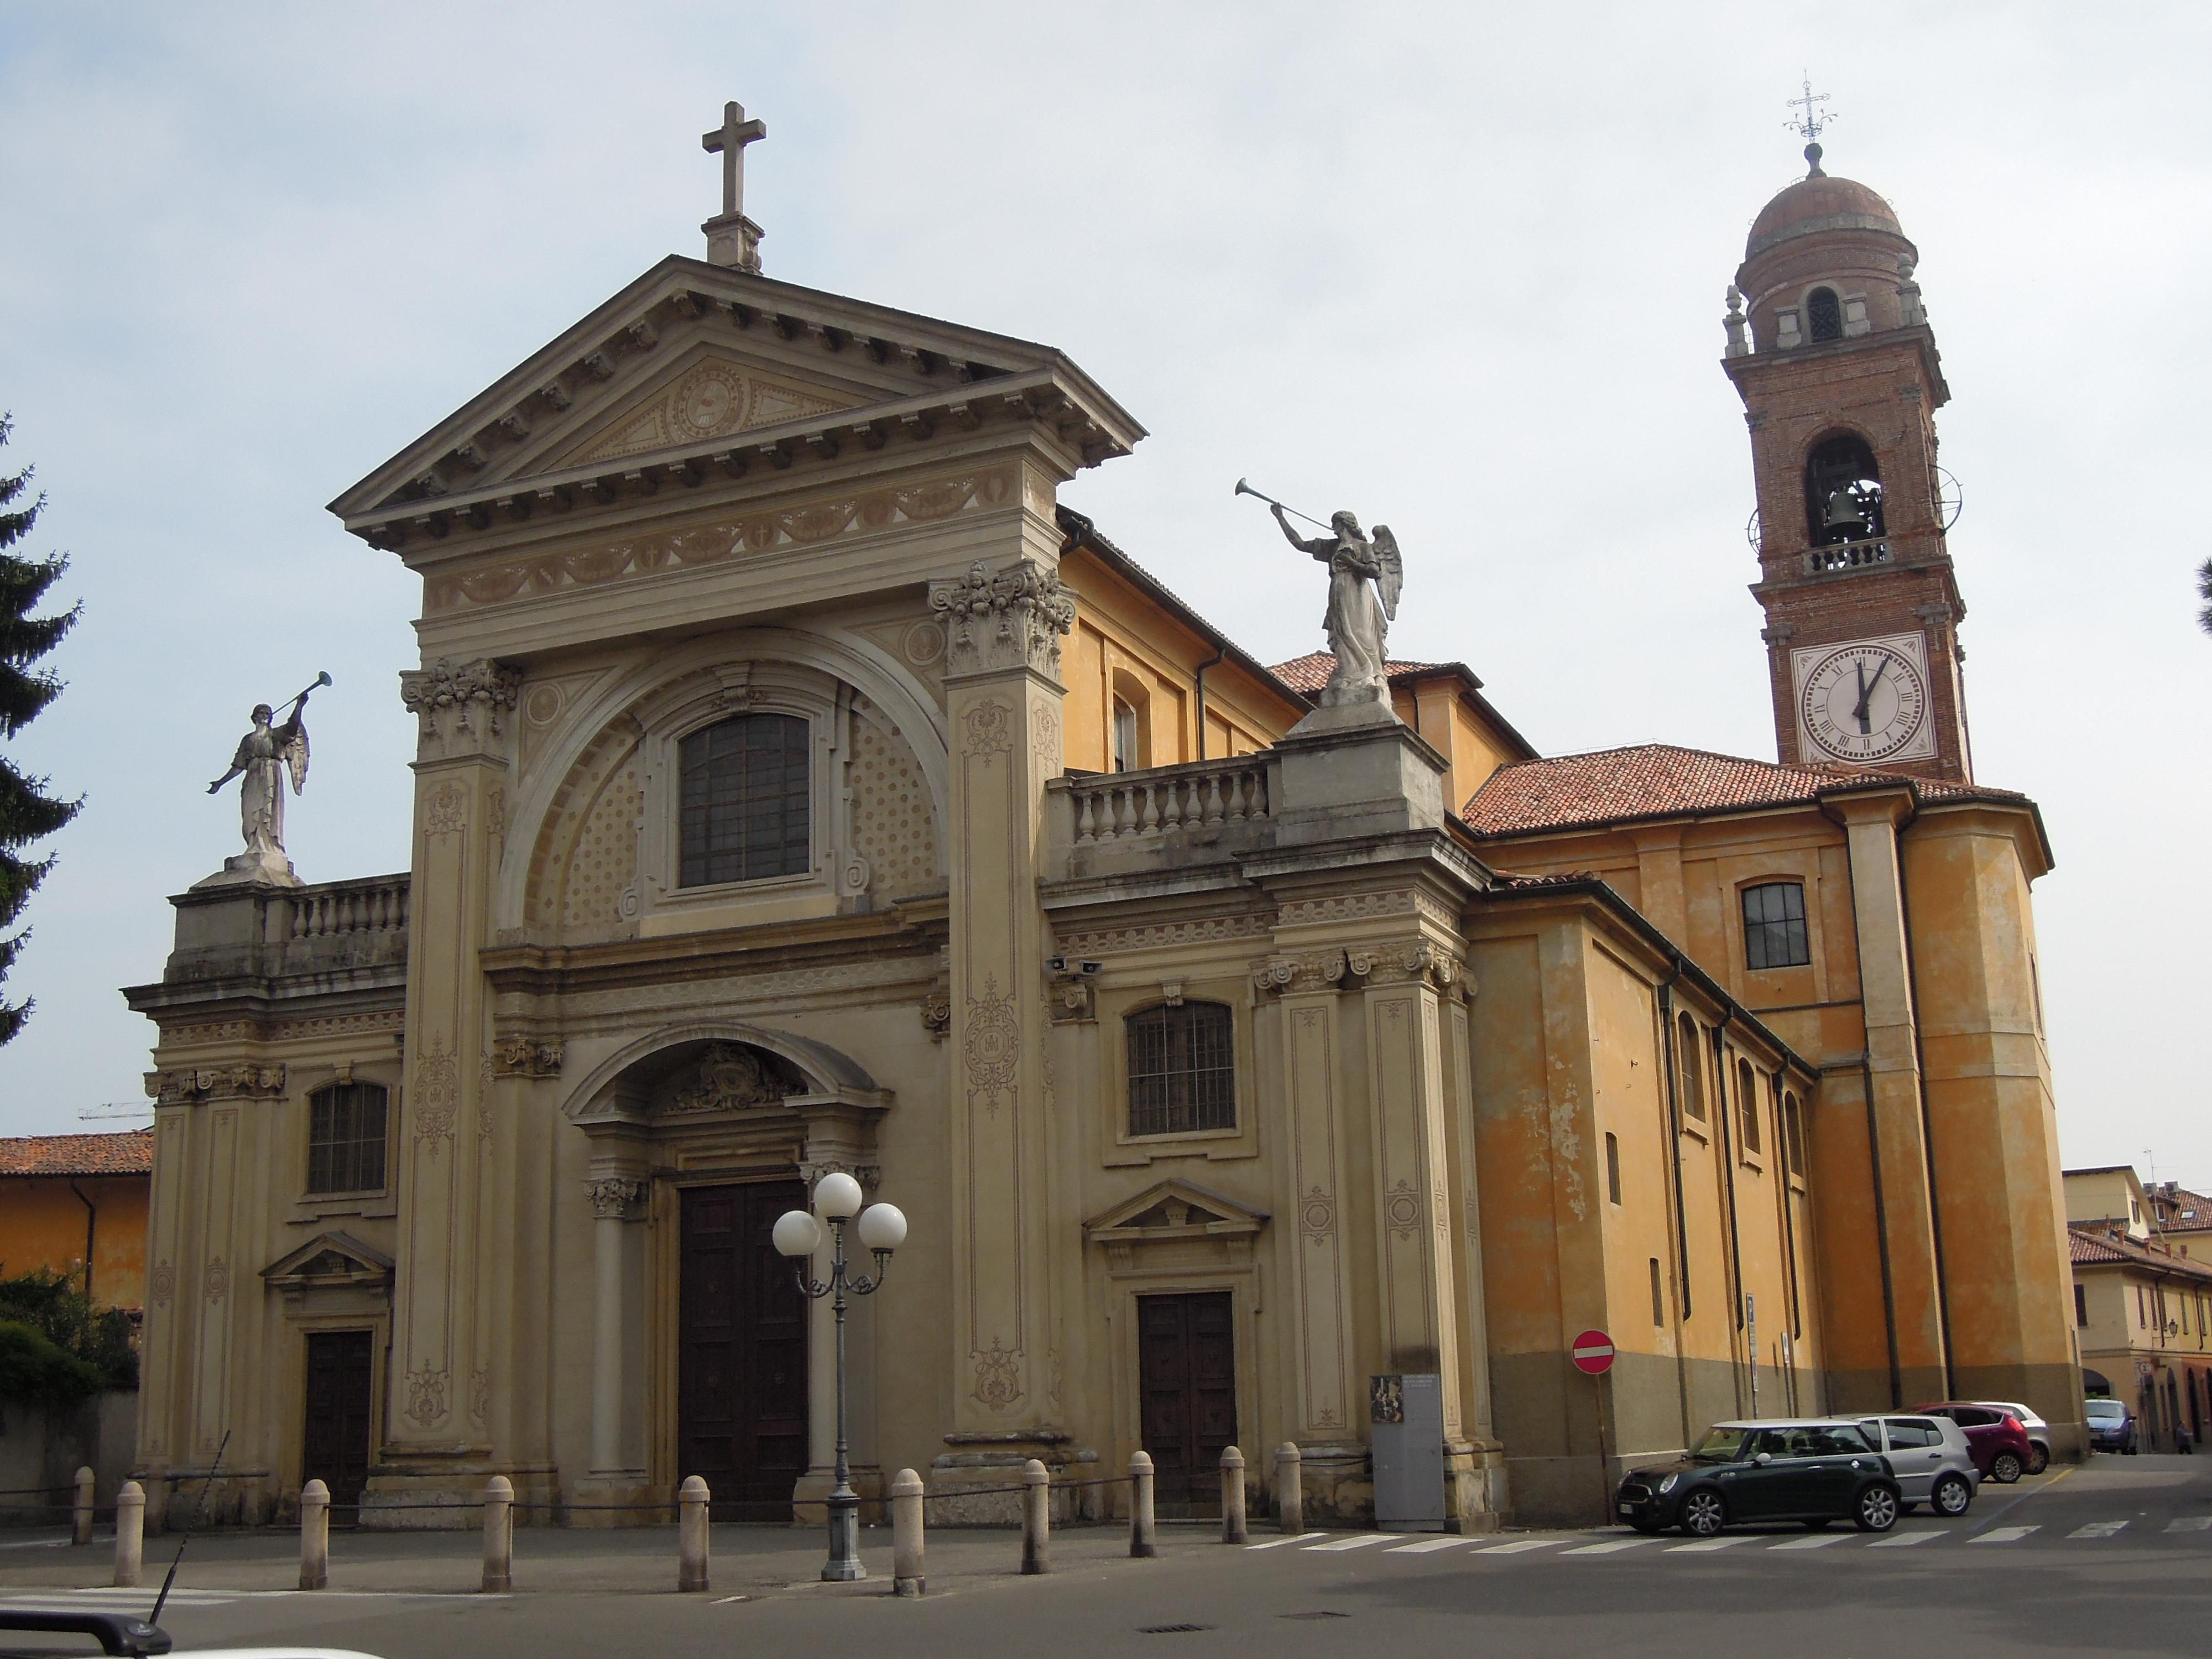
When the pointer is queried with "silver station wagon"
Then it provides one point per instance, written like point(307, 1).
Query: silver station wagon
point(1930, 1458)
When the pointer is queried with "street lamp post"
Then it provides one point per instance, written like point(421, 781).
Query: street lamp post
point(799, 1235)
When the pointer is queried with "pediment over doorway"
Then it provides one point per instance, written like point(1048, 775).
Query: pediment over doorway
point(694, 1075)
point(334, 1261)
point(1174, 1209)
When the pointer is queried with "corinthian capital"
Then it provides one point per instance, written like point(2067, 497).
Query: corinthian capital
point(460, 705)
point(616, 1197)
point(1006, 619)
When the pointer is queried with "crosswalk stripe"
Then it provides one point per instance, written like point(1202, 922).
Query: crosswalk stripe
point(1703, 1545)
point(2190, 1523)
point(1427, 1545)
point(1519, 1545)
point(2097, 1529)
point(1277, 1543)
point(2004, 1535)
point(1611, 1547)
point(1815, 1542)
point(1359, 1541)
point(1900, 1539)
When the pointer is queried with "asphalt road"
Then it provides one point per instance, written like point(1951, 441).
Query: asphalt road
point(2114, 1558)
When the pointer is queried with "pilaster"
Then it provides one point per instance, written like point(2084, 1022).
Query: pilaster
point(437, 1435)
point(1002, 685)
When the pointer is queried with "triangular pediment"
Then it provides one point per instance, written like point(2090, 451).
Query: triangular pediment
point(1174, 1209)
point(328, 1262)
point(666, 374)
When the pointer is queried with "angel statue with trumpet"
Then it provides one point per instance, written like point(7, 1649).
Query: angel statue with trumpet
point(1365, 576)
point(264, 756)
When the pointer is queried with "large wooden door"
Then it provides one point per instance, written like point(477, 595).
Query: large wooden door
point(741, 1381)
point(1186, 1357)
point(340, 1367)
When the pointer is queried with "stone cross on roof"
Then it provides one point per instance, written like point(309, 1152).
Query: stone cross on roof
point(733, 239)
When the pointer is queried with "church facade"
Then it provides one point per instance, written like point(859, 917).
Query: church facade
point(800, 787)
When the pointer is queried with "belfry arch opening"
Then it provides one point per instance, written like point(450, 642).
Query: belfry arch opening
point(1843, 492)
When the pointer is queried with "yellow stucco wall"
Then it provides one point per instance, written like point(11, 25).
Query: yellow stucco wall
point(42, 1224)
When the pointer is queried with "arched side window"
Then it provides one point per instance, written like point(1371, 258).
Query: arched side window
point(1793, 1135)
point(1746, 1101)
point(1843, 492)
point(1688, 1067)
point(743, 790)
point(1774, 926)
point(345, 1139)
point(1824, 314)
point(1182, 1069)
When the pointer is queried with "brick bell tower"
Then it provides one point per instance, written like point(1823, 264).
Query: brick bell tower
point(1830, 349)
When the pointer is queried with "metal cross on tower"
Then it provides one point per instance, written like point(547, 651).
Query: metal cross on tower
point(1811, 124)
point(729, 141)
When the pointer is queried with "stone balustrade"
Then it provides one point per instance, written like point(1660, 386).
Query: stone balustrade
point(372, 904)
point(1846, 556)
point(1194, 811)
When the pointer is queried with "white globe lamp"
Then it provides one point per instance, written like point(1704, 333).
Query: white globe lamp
point(796, 1233)
point(883, 1227)
point(838, 1197)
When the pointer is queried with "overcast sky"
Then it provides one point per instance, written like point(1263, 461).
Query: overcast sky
point(1456, 267)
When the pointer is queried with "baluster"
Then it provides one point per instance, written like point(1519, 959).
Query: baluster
point(1260, 803)
point(1171, 812)
point(1213, 808)
point(1109, 812)
point(1148, 821)
point(1236, 812)
point(1085, 825)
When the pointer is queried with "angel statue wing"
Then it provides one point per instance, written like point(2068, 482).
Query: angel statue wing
point(295, 754)
point(1392, 576)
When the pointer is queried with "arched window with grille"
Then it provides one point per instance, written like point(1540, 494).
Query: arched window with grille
point(744, 800)
point(1824, 314)
point(1793, 1135)
point(345, 1139)
point(1746, 1101)
point(1182, 1069)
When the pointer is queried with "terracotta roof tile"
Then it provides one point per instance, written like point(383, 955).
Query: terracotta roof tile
point(2094, 1246)
point(1310, 672)
point(1660, 779)
point(130, 1152)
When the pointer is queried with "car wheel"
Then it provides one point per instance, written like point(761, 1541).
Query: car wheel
point(1704, 1514)
point(1875, 1509)
point(1951, 1495)
point(2004, 1467)
point(2039, 1458)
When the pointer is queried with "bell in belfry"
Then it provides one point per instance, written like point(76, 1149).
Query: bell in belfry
point(1847, 512)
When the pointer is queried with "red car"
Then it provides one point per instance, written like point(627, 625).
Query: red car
point(1999, 1444)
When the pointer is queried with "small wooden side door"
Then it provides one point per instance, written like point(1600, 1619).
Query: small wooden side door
point(340, 1371)
point(1187, 1366)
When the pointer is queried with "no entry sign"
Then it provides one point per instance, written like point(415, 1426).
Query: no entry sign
point(1593, 1352)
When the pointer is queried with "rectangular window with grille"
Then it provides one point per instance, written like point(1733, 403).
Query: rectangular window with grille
point(1182, 1069)
point(1774, 926)
point(345, 1139)
point(743, 787)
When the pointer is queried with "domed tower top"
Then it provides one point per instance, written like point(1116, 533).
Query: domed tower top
point(1826, 260)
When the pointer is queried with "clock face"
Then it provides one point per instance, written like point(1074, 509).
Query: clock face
point(1864, 702)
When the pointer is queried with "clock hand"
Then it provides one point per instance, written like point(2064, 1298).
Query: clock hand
point(1866, 693)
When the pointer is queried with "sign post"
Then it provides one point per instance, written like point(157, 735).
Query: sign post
point(1751, 1339)
point(1592, 1353)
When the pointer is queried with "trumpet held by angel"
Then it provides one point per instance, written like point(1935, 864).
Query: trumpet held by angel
point(1365, 576)
point(265, 758)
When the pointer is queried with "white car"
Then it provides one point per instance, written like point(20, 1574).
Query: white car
point(2038, 1432)
point(1930, 1458)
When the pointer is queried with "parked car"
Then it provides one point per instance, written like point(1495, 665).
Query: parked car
point(1930, 1458)
point(2000, 1447)
point(1808, 1470)
point(2112, 1425)
point(2038, 1432)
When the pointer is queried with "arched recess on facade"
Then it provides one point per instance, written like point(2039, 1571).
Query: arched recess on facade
point(886, 684)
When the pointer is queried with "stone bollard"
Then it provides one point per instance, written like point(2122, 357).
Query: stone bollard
point(130, 1533)
point(691, 1504)
point(1290, 1489)
point(906, 1578)
point(314, 1536)
point(1144, 1541)
point(81, 1511)
point(499, 1534)
point(1036, 1517)
point(1232, 1495)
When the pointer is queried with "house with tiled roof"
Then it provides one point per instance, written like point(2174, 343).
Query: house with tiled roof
point(78, 1204)
point(804, 788)
point(2142, 1304)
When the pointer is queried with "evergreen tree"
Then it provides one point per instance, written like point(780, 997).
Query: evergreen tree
point(2204, 592)
point(27, 812)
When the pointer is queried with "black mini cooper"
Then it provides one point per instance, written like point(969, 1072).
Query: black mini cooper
point(1810, 1472)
